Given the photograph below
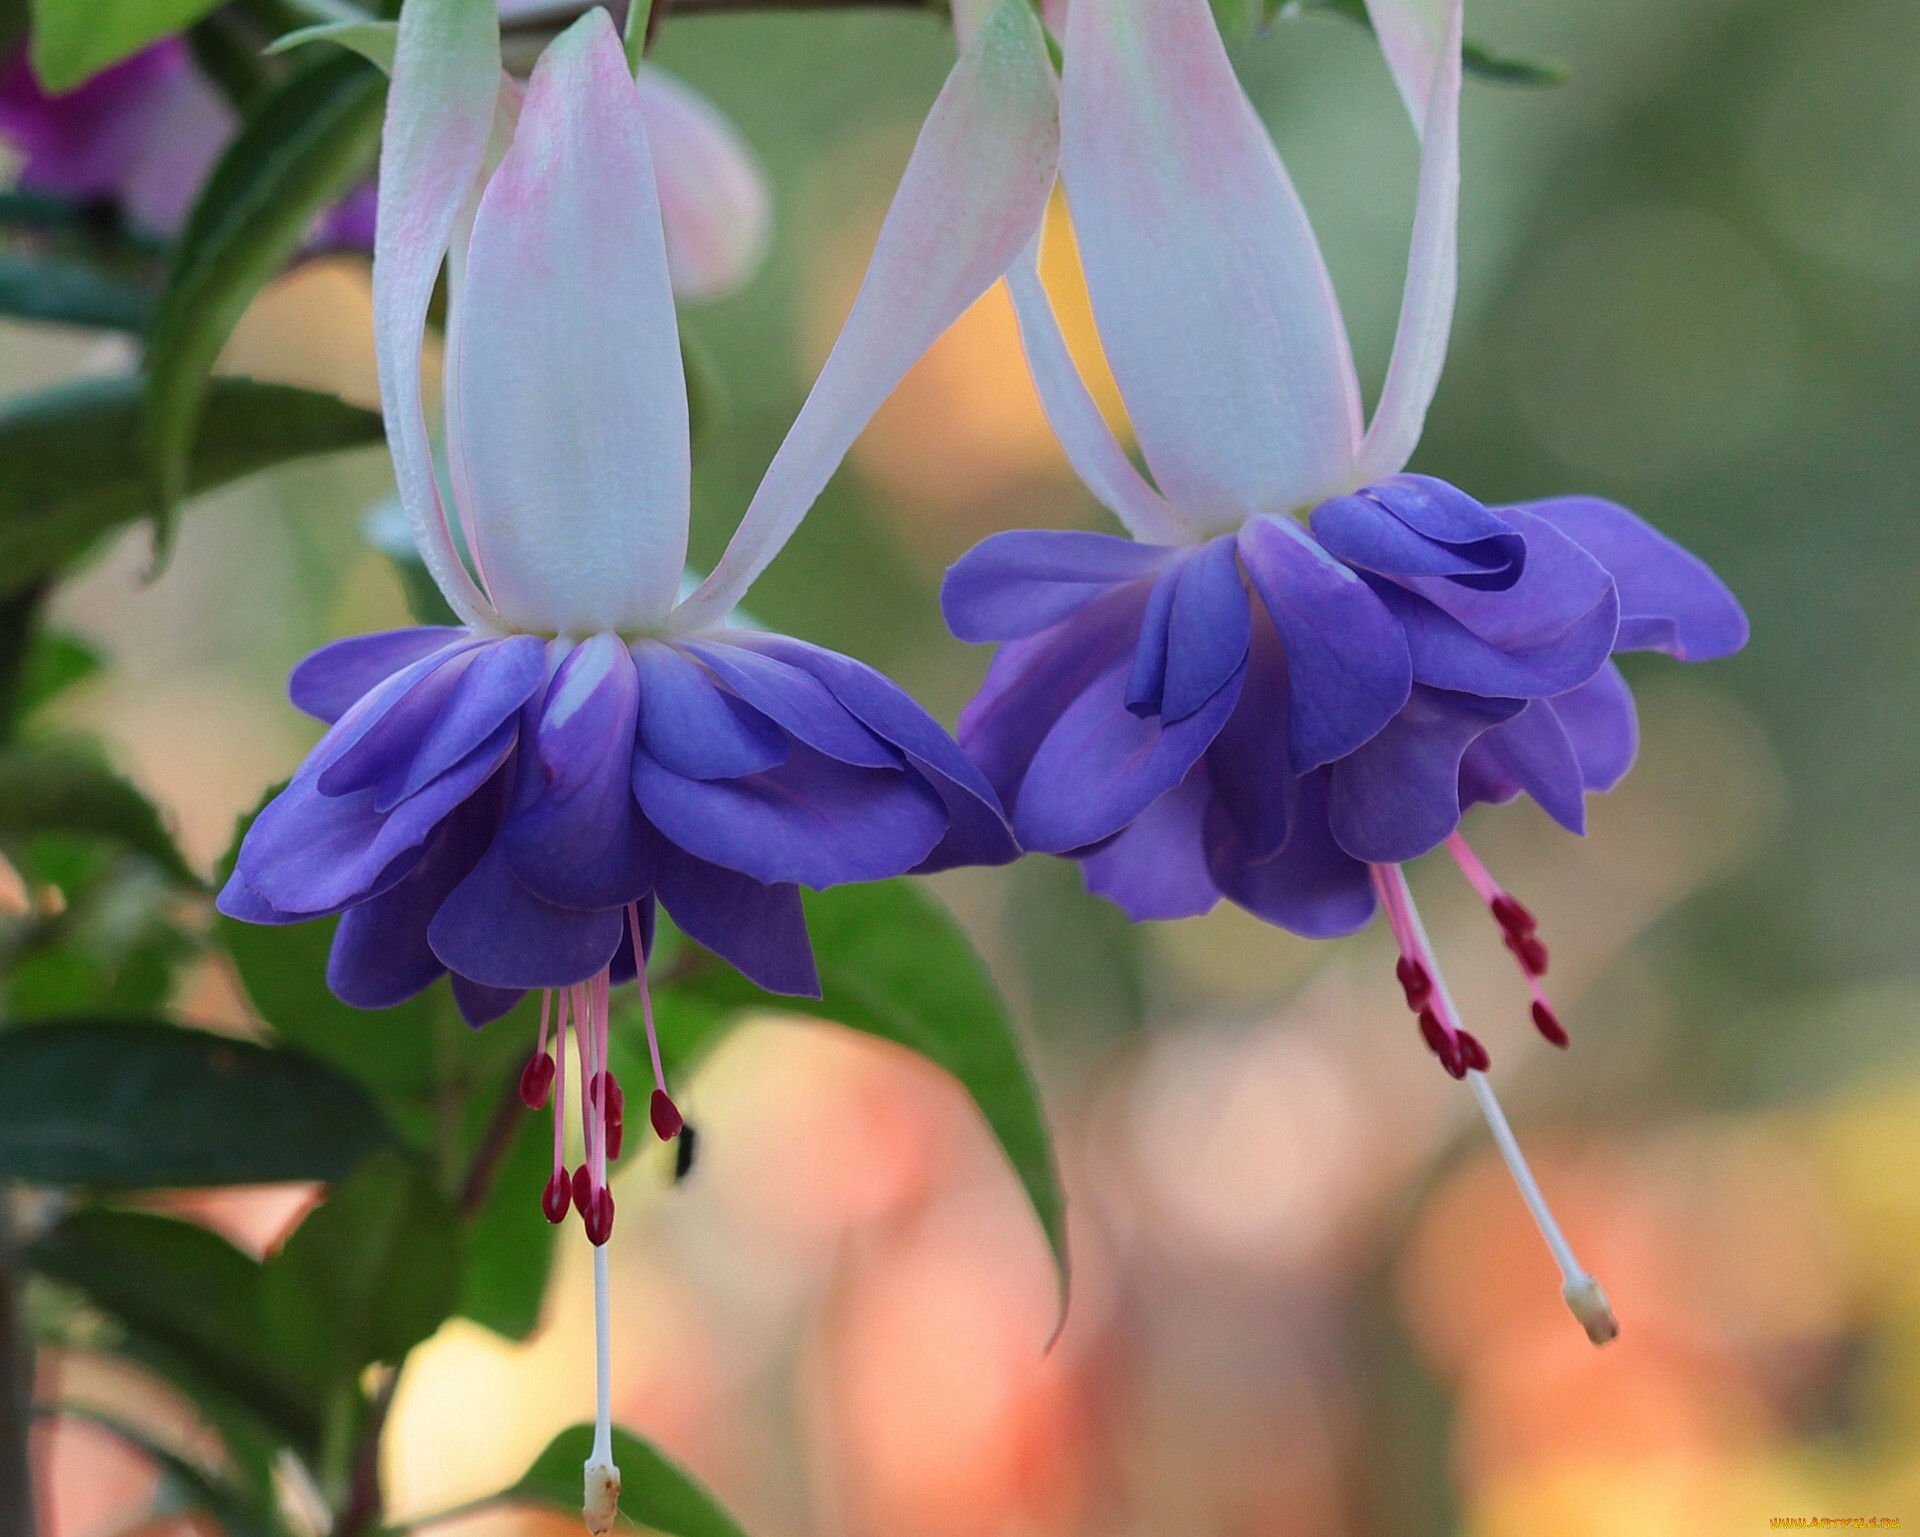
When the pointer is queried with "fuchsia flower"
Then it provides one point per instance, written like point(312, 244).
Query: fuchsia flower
point(508, 800)
point(1304, 663)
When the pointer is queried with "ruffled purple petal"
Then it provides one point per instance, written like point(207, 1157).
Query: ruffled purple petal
point(575, 838)
point(977, 831)
point(1017, 584)
point(494, 931)
point(694, 727)
point(784, 690)
point(482, 1005)
point(1101, 765)
point(1157, 867)
point(1147, 678)
point(1670, 599)
point(1348, 671)
point(1600, 721)
point(1207, 633)
point(1416, 526)
point(1399, 795)
point(500, 678)
point(1248, 762)
point(1312, 887)
point(1447, 655)
point(408, 708)
point(240, 901)
point(813, 820)
point(760, 929)
point(1531, 752)
point(328, 682)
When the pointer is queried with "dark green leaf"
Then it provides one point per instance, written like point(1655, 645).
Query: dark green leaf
point(71, 293)
point(309, 142)
point(53, 664)
point(54, 790)
point(893, 964)
point(70, 465)
point(509, 1241)
point(20, 616)
point(653, 1492)
point(191, 1304)
point(367, 1276)
point(93, 1102)
point(1475, 58)
point(76, 39)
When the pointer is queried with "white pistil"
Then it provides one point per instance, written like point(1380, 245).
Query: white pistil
point(602, 1477)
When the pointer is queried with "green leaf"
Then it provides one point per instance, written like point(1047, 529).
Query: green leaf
point(654, 1493)
point(374, 41)
point(74, 40)
point(309, 142)
point(71, 467)
point(510, 1243)
point(101, 1102)
point(1475, 58)
point(367, 1277)
point(55, 790)
point(893, 964)
point(191, 1304)
point(53, 664)
point(71, 293)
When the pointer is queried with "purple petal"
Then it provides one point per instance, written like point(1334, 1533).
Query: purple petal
point(812, 820)
point(575, 838)
point(761, 929)
point(1670, 600)
point(1600, 722)
point(1101, 766)
point(380, 954)
point(1019, 583)
point(482, 1005)
point(1311, 887)
point(1207, 634)
point(1414, 525)
point(494, 931)
point(378, 756)
point(1147, 679)
point(1157, 867)
point(239, 900)
point(693, 727)
point(1399, 795)
point(977, 831)
point(330, 680)
point(1248, 762)
point(500, 679)
point(1031, 682)
point(1348, 671)
point(794, 699)
point(1531, 752)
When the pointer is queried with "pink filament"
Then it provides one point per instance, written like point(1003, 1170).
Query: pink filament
point(1496, 897)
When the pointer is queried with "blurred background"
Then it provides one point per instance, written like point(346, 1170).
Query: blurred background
point(1306, 1300)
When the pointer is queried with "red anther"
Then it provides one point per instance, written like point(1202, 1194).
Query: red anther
point(1438, 1037)
point(536, 1081)
point(616, 1098)
point(557, 1199)
point(1512, 916)
point(599, 1217)
point(583, 1190)
point(1454, 1059)
point(1414, 982)
point(616, 1138)
point(1533, 956)
point(1548, 1024)
point(1473, 1053)
point(665, 1116)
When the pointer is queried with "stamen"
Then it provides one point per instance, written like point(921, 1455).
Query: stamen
point(661, 1110)
point(602, 1503)
point(536, 1078)
point(1464, 1057)
point(558, 1196)
point(1517, 932)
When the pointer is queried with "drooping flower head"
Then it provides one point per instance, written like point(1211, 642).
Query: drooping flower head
point(1305, 661)
point(507, 801)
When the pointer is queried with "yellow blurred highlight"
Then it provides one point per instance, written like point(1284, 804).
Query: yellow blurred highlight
point(312, 327)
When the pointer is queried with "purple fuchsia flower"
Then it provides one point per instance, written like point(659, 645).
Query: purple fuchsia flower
point(1304, 662)
point(507, 801)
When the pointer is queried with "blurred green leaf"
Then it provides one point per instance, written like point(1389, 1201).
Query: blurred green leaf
point(70, 465)
point(45, 789)
point(893, 964)
point(374, 41)
point(191, 1305)
point(76, 39)
point(365, 1278)
point(308, 143)
point(654, 1493)
point(54, 663)
point(72, 293)
point(510, 1242)
point(101, 1102)
point(185, 1485)
point(1476, 58)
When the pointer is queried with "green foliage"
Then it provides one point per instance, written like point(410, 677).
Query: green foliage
point(71, 292)
point(99, 1102)
point(509, 1241)
point(310, 140)
point(71, 467)
point(374, 41)
point(57, 790)
point(1241, 18)
point(74, 40)
point(894, 965)
point(654, 1493)
point(53, 664)
point(366, 1278)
